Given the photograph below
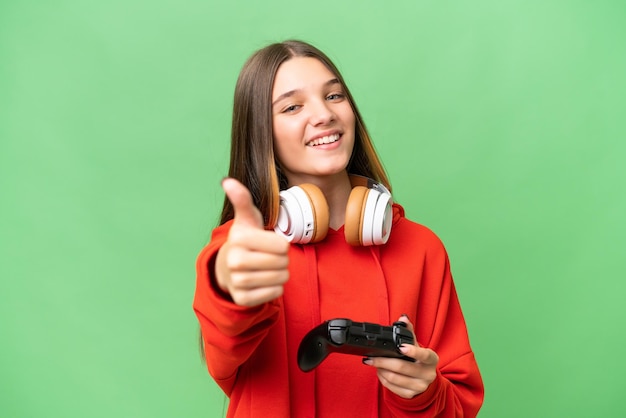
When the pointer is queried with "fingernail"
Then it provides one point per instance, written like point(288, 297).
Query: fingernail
point(367, 361)
point(405, 315)
point(404, 348)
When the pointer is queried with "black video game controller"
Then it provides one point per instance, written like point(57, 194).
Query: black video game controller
point(360, 338)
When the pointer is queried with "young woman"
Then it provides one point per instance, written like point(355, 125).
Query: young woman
point(267, 278)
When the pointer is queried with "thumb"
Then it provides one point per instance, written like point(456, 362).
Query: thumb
point(245, 212)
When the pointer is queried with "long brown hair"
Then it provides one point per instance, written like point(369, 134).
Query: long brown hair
point(252, 159)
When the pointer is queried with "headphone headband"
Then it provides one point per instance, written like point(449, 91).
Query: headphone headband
point(358, 180)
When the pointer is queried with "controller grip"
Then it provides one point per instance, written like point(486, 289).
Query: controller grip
point(313, 348)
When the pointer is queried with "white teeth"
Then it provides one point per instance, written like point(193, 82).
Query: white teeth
point(324, 140)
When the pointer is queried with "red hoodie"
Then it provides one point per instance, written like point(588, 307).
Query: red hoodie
point(251, 352)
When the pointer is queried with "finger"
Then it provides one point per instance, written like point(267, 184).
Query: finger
point(258, 240)
point(256, 279)
point(426, 361)
point(241, 259)
point(394, 365)
point(402, 386)
point(405, 318)
point(241, 199)
point(255, 297)
point(425, 356)
point(404, 373)
point(409, 325)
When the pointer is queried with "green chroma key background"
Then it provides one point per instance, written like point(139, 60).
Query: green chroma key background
point(501, 123)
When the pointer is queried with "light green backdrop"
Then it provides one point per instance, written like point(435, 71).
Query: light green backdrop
point(501, 124)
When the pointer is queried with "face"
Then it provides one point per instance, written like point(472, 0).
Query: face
point(313, 121)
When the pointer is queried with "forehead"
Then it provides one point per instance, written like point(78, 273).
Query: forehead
point(300, 73)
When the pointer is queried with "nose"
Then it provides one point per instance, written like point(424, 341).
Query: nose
point(321, 113)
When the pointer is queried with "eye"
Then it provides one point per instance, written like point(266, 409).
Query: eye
point(335, 97)
point(291, 108)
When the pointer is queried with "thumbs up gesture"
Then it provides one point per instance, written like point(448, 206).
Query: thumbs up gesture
point(252, 265)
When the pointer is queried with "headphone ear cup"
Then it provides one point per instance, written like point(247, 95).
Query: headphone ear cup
point(353, 226)
point(377, 217)
point(368, 217)
point(303, 214)
point(321, 212)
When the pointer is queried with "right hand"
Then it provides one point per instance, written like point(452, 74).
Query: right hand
point(252, 265)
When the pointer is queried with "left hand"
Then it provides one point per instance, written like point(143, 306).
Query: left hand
point(404, 378)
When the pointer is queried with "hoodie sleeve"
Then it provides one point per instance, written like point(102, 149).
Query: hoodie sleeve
point(458, 390)
point(231, 333)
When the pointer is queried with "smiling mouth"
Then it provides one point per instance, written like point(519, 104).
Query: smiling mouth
point(329, 139)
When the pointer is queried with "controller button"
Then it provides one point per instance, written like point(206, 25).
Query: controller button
point(338, 336)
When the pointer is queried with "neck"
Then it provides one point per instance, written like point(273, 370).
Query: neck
point(337, 194)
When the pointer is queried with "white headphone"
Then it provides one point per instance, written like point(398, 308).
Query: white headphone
point(304, 215)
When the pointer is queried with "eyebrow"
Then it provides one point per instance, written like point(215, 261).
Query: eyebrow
point(290, 93)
